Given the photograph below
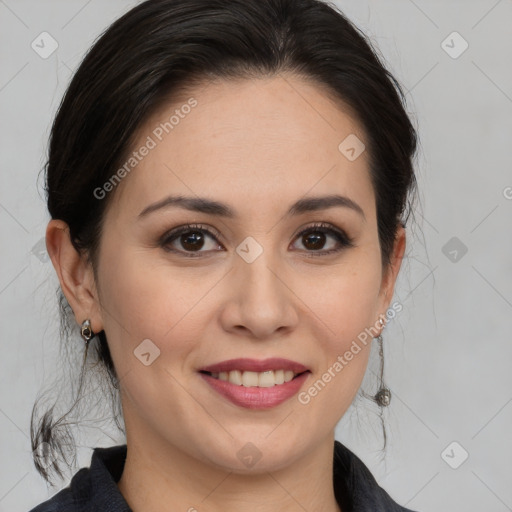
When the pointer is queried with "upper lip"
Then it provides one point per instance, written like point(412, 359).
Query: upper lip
point(255, 365)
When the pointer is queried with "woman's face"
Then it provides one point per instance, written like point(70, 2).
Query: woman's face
point(245, 285)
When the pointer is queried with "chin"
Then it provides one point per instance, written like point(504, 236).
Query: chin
point(247, 457)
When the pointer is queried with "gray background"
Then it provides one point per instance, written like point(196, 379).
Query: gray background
point(448, 353)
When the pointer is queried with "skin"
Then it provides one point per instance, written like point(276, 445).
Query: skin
point(258, 146)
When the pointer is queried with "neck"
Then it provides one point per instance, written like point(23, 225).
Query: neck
point(158, 474)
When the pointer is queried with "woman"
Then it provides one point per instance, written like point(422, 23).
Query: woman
point(228, 183)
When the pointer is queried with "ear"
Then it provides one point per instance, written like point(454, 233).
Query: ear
point(391, 272)
point(75, 274)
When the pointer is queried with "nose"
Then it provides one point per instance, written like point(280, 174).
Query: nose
point(259, 301)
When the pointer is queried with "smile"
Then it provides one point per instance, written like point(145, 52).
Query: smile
point(253, 396)
point(266, 379)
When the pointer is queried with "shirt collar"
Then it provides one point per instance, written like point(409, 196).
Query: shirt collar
point(105, 470)
point(355, 488)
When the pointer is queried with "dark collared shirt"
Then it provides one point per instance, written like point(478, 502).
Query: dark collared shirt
point(94, 489)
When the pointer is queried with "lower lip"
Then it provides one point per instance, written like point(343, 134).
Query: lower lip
point(254, 397)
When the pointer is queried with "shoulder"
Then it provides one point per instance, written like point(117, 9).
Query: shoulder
point(73, 498)
point(353, 479)
point(93, 488)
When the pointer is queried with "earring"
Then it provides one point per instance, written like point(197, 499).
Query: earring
point(86, 331)
point(383, 395)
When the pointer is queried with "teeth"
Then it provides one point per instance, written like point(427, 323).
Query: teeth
point(279, 376)
point(235, 377)
point(265, 379)
point(288, 375)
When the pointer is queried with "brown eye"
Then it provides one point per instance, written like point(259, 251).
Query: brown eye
point(189, 239)
point(192, 241)
point(314, 238)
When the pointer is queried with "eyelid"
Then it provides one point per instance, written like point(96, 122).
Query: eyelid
point(189, 227)
point(325, 226)
point(343, 239)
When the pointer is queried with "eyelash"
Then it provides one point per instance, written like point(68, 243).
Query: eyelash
point(319, 227)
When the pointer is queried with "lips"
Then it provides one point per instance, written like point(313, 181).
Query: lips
point(255, 365)
point(256, 384)
point(254, 397)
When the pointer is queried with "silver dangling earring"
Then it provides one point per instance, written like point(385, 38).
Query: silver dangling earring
point(86, 331)
point(383, 395)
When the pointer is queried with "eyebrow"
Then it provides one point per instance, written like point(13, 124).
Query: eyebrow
point(211, 207)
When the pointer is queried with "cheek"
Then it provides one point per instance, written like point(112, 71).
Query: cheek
point(139, 289)
point(347, 306)
point(346, 297)
point(354, 302)
point(141, 300)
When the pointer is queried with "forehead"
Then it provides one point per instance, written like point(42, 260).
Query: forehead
point(248, 142)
